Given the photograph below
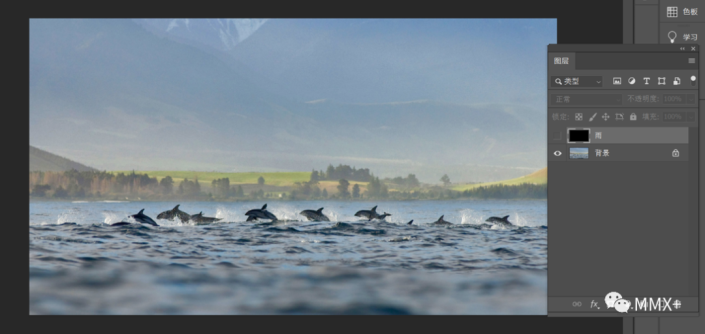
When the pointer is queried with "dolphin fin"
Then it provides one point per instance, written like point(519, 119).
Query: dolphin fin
point(373, 209)
point(176, 207)
point(320, 211)
point(140, 212)
point(409, 223)
point(264, 207)
point(505, 217)
point(441, 219)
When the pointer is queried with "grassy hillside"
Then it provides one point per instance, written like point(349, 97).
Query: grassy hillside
point(43, 161)
point(205, 178)
point(537, 177)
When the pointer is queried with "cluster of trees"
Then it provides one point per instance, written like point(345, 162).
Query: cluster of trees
point(344, 190)
point(307, 190)
point(377, 189)
point(404, 182)
point(75, 184)
point(90, 183)
point(167, 185)
point(39, 190)
point(345, 193)
point(221, 187)
point(342, 172)
point(446, 180)
point(311, 190)
point(259, 193)
point(189, 188)
point(500, 191)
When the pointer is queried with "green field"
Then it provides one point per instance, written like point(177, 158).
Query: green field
point(538, 177)
point(205, 178)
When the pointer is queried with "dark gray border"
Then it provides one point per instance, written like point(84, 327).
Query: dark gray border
point(628, 22)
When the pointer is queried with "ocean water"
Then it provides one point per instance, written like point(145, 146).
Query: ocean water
point(346, 266)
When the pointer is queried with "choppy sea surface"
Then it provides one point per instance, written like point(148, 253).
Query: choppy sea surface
point(345, 266)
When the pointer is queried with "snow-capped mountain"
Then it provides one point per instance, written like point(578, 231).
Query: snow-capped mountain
point(221, 34)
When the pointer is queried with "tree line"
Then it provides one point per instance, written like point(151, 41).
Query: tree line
point(90, 183)
point(341, 172)
point(75, 184)
point(79, 184)
point(502, 191)
point(377, 189)
point(222, 190)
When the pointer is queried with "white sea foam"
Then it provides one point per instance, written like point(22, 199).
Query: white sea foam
point(229, 215)
point(287, 212)
point(72, 215)
point(172, 223)
point(470, 216)
point(500, 227)
point(112, 217)
point(519, 220)
point(336, 216)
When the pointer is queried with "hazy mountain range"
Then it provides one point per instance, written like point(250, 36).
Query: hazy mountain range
point(395, 96)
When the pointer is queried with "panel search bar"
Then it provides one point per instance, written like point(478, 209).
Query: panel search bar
point(576, 81)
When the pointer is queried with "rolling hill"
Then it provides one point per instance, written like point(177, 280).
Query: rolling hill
point(43, 161)
point(537, 177)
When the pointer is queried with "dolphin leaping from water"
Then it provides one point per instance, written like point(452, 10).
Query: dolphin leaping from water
point(262, 213)
point(498, 220)
point(199, 219)
point(440, 221)
point(315, 215)
point(174, 213)
point(142, 218)
point(369, 214)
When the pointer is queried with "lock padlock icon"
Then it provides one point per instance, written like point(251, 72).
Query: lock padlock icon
point(676, 154)
point(632, 117)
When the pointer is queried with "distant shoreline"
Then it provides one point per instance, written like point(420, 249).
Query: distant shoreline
point(253, 187)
